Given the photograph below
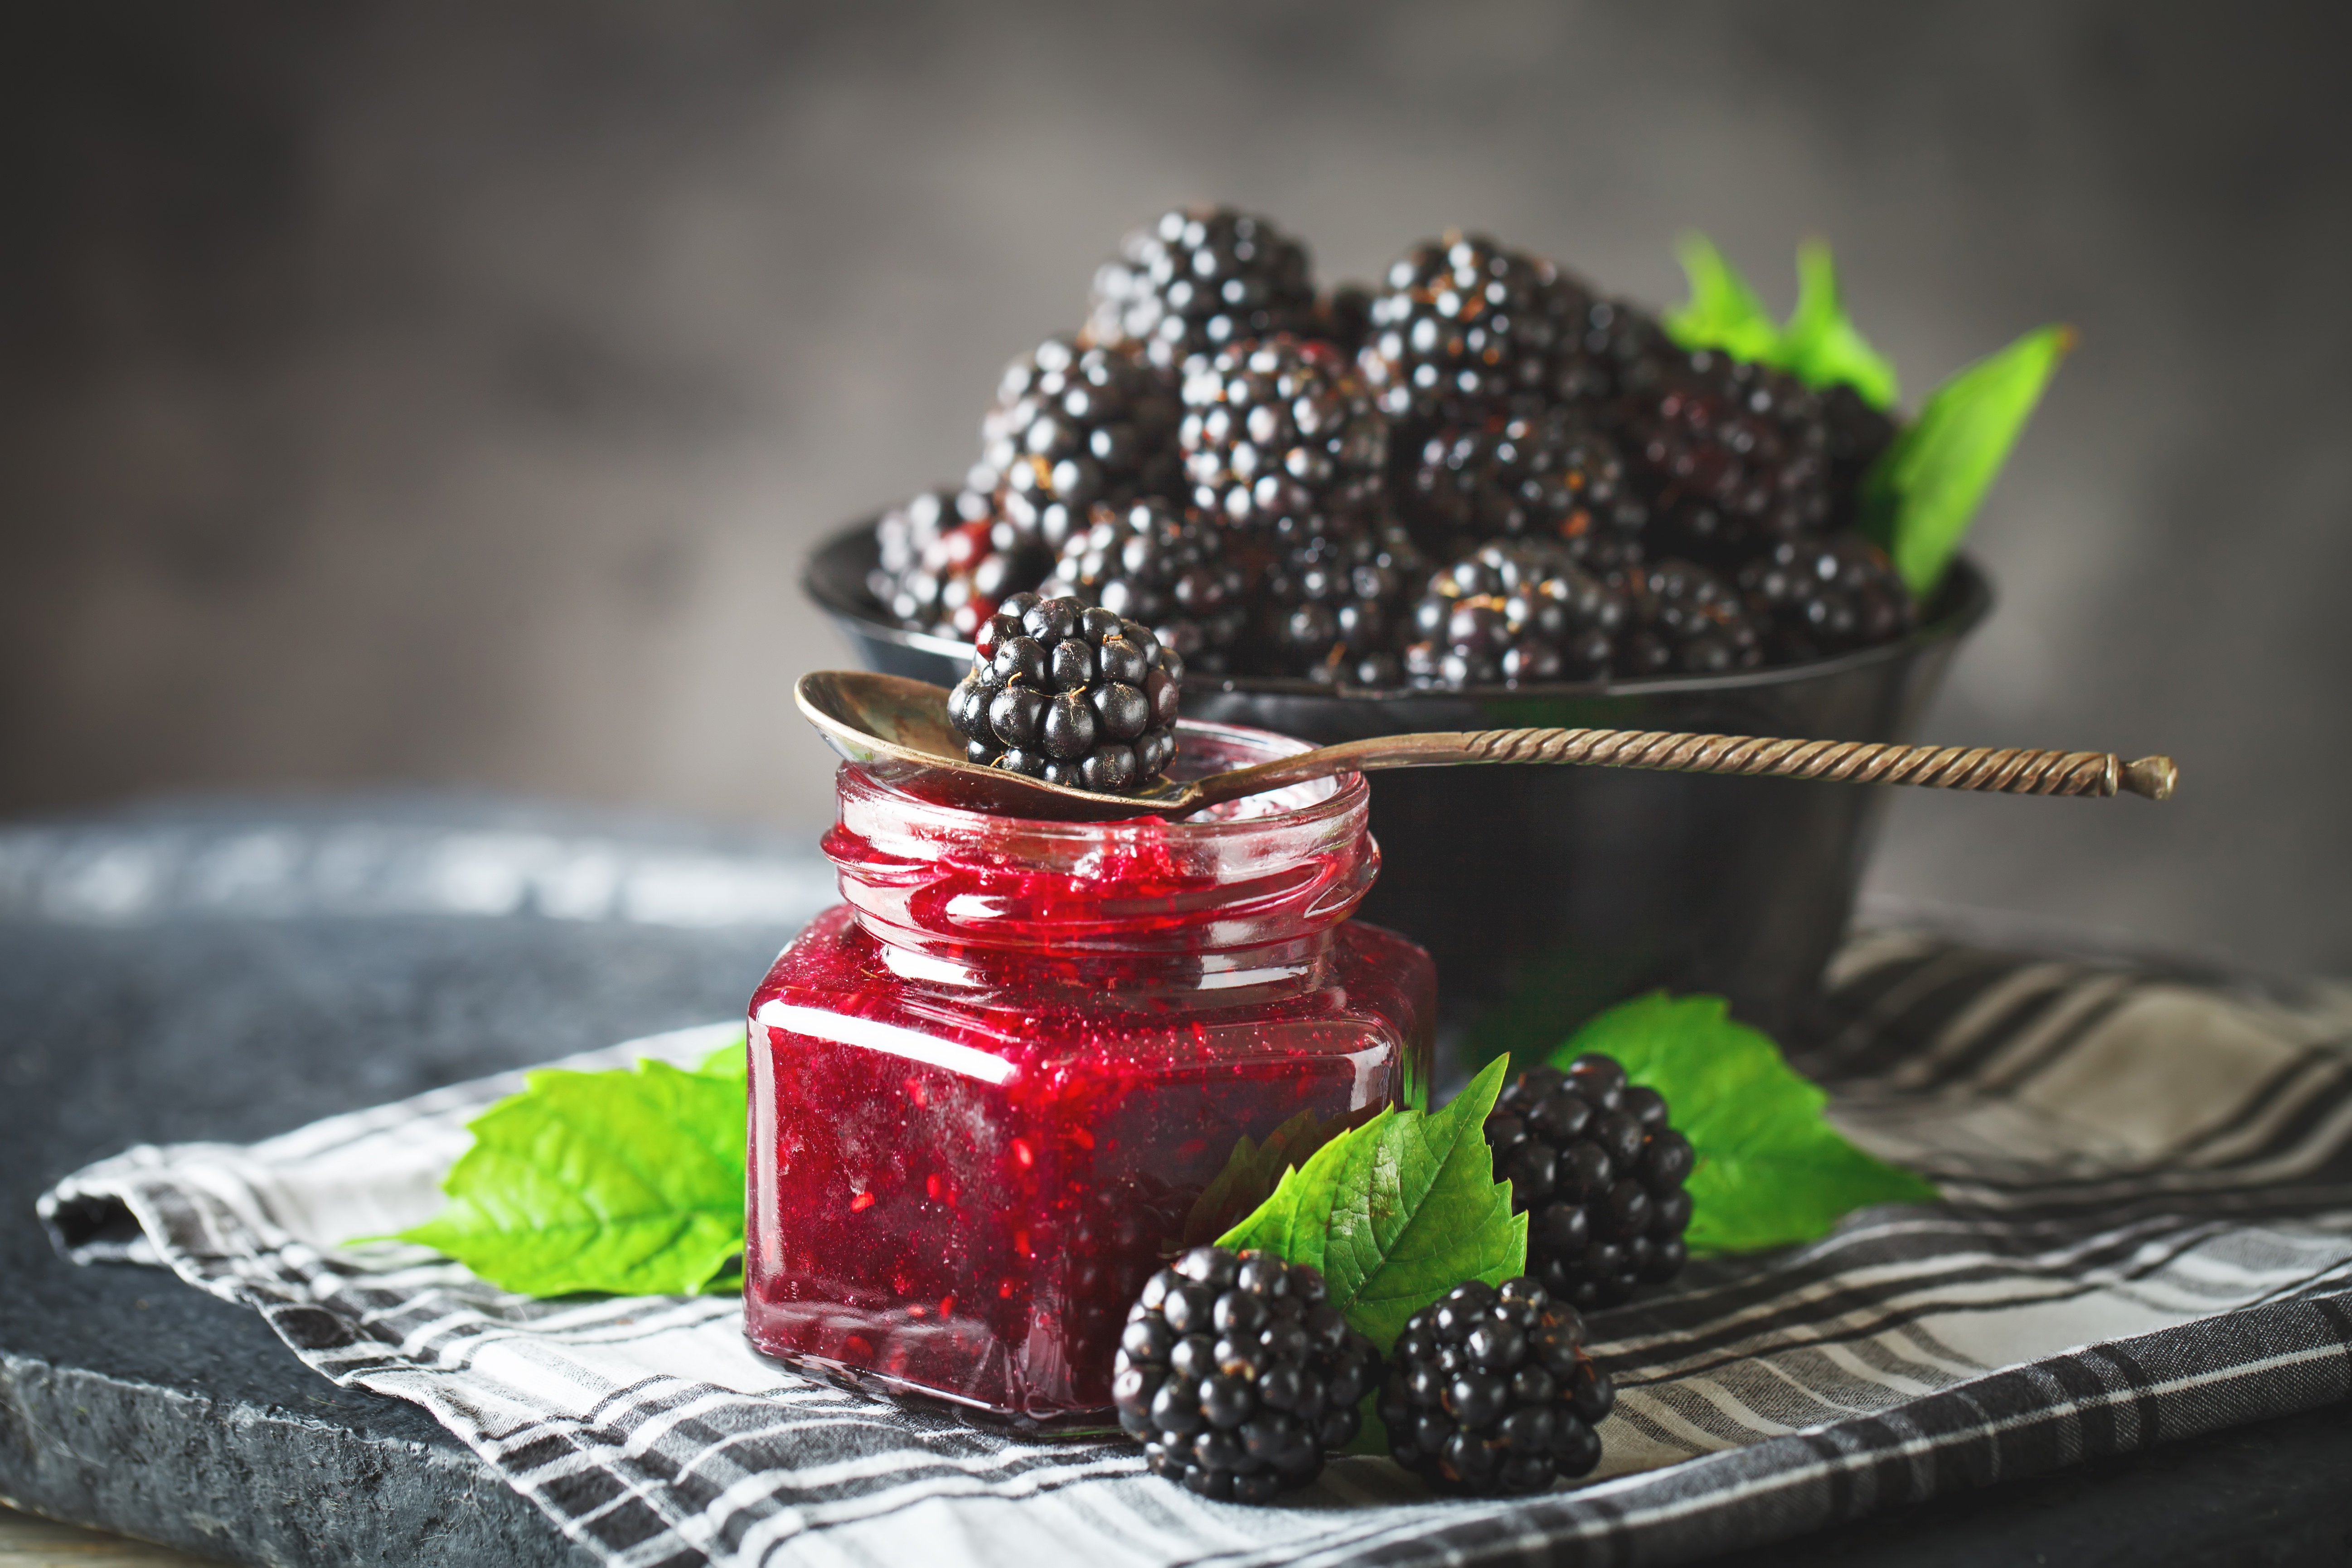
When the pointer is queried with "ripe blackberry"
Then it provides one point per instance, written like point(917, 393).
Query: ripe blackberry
point(1198, 280)
point(1825, 596)
point(946, 560)
point(1547, 476)
point(1334, 606)
point(1461, 329)
point(1070, 694)
point(1731, 458)
point(1343, 317)
point(1491, 1391)
point(1280, 437)
point(1858, 436)
point(1604, 348)
point(1150, 563)
point(1238, 1374)
point(1513, 612)
point(1686, 620)
point(1593, 1164)
point(1073, 426)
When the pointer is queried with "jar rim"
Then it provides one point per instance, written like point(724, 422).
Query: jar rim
point(1335, 796)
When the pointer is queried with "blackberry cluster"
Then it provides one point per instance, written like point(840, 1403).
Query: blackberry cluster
point(1073, 428)
point(1280, 438)
point(1200, 279)
point(1283, 469)
point(1857, 436)
point(1148, 562)
point(1070, 694)
point(1604, 349)
point(1238, 1375)
point(1689, 620)
point(946, 560)
point(1732, 457)
point(1593, 1163)
point(1546, 475)
point(1335, 604)
point(1491, 1391)
point(1825, 596)
point(1464, 329)
point(1513, 612)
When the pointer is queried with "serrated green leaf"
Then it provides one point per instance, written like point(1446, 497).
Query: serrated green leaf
point(1820, 345)
point(1252, 1171)
point(1722, 311)
point(1919, 498)
point(628, 1181)
point(1772, 1171)
point(1398, 1211)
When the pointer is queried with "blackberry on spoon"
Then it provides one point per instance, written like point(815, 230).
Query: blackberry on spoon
point(1069, 693)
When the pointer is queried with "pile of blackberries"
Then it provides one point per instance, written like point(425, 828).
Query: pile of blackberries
point(1068, 693)
point(1239, 1375)
point(1320, 470)
point(1594, 1165)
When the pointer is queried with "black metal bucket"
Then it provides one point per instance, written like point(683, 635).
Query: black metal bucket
point(1546, 893)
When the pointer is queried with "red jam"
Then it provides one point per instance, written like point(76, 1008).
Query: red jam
point(993, 1090)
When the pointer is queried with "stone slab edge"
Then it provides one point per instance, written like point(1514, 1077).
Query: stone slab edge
point(250, 1484)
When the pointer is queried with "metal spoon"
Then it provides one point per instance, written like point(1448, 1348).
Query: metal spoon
point(869, 718)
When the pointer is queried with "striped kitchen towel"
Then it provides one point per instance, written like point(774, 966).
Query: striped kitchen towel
point(2147, 1233)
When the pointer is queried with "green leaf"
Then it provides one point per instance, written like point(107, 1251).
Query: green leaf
point(1820, 345)
point(1253, 1170)
point(727, 1061)
point(1398, 1211)
point(1772, 1171)
point(629, 1182)
point(1919, 498)
point(1723, 311)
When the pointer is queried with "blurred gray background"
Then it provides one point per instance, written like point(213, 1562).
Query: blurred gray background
point(446, 394)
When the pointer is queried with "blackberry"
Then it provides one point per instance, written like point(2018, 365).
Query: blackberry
point(1593, 1164)
point(1280, 437)
point(948, 560)
point(1547, 476)
point(1068, 693)
point(1150, 563)
point(1826, 596)
point(1858, 437)
point(1491, 1391)
point(1074, 427)
point(1238, 1374)
point(1731, 458)
point(1461, 329)
point(1334, 605)
point(1603, 349)
point(1511, 612)
point(1343, 317)
point(1687, 620)
point(1200, 279)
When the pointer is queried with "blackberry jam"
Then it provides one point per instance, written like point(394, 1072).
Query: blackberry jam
point(994, 1090)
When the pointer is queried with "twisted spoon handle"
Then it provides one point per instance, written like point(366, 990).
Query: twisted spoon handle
point(2006, 770)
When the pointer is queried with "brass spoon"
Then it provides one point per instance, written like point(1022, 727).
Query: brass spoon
point(868, 718)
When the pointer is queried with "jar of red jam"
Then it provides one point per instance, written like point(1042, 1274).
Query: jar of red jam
point(1027, 1061)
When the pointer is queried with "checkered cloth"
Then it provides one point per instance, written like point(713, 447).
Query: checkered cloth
point(2147, 1233)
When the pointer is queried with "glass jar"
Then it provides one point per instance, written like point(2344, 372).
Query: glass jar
point(1026, 1061)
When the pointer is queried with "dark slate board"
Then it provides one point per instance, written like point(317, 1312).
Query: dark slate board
point(209, 1005)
